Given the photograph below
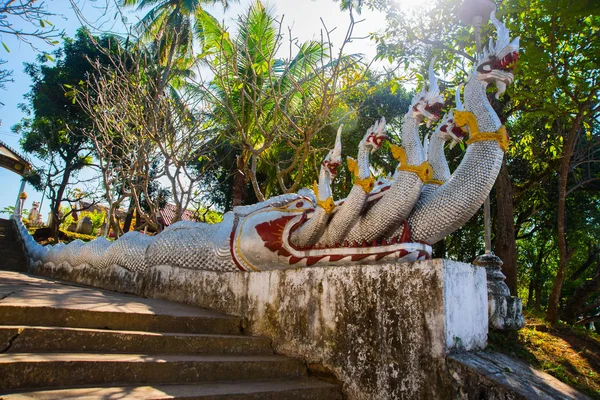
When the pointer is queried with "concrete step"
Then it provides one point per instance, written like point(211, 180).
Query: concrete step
point(297, 389)
point(27, 300)
point(30, 339)
point(73, 318)
point(61, 341)
point(46, 370)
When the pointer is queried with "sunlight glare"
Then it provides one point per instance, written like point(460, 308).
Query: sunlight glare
point(410, 4)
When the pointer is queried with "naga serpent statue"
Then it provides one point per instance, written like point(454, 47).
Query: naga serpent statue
point(380, 220)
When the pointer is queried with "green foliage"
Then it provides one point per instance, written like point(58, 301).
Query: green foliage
point(54, 129)
point(57, 122)
point(556, 81)
point(278, 116)
point(208, 216)
point(97, 217)
point(169, 27)
point(9, 210)
point(75, 236)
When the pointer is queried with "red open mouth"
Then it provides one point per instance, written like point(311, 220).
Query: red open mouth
point(377, 140)
point(507, 63)
point(332, 167)
point(435, 109)
point(458, 132)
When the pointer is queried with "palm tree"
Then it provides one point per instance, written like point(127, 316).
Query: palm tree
point(264, 104)
point(169, 24)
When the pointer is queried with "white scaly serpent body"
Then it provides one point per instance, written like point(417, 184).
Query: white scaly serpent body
point(296, 230)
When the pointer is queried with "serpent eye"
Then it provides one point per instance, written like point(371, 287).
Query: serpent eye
point(487, 67)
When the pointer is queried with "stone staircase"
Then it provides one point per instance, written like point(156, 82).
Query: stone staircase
point(11, 253)
point(61, 341)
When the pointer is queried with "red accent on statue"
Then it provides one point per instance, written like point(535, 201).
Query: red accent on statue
point(406, 233)
point(358, 257)
point(313, 260)
point(271, 232)
point(381, 255)
point(293, 260)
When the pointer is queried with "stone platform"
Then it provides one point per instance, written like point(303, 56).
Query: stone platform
point(61, 341)
point(386, 332)
point(382, 330)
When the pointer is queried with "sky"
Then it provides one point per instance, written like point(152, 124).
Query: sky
point(303, 16)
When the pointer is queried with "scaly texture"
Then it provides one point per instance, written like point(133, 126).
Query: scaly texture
point(298, 230)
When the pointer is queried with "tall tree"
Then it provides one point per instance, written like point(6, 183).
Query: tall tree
point(552, 120)
point(128, 139)
point(264, 103)
point(169, 25)
point(53, 131)
point(556, 37)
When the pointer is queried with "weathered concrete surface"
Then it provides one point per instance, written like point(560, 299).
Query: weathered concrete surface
point(25, 370)
point(305, 389)
point(505, 311)
point(122, 364)
point(27, 300)
point(30, 339)
point(465, 294)
point(382, 330)
point(495, 376)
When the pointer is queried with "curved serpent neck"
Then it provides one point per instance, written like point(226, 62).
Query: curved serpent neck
point(397, 202)
point(348, 212)
point(364, 171)
point(452, 204)
point(324, 184)
point(311, 230)
point(477, 102)
point(437, 158)
point(410, 139)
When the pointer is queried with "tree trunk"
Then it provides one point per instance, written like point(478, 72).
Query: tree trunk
point(129, 217)
point(577, 303)
point(537, 305)
point(530, 292)
point(178, 212)
point(439, 249)
point(504, 238)
point(563, 247)
point(536, 281)
point(137, 218)
point(115, 225)
point(109, 217)
point(554, 299)
point(239, 183)
point(55, 226)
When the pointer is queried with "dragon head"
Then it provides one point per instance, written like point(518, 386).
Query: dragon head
point(499, 58)
point(375, 136)
point(334, 158)
point(428, 104)
point(448, 130)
